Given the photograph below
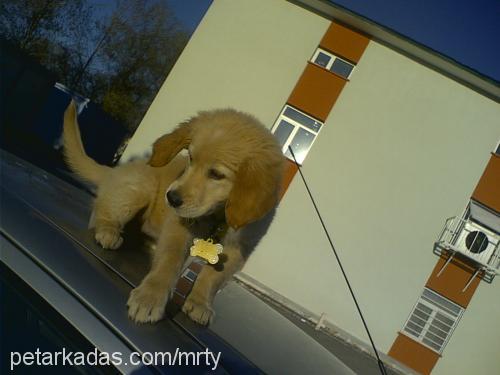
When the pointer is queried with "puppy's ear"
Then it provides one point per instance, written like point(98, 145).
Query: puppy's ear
point(166, 147)
point(255, 192)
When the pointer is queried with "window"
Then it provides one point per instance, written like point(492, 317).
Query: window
point(322, 59)
point(333, 63)
point(433, 320)
point(296, 130)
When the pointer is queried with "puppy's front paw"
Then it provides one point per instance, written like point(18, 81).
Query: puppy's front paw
point(198, 309)
point(108, 237)
point(146, 304)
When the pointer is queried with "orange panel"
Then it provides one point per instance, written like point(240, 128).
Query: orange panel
point(453, 279)
point(290, 170)
point(344, 42)
point(316, 91)
point(413, 354)
point(487, 190)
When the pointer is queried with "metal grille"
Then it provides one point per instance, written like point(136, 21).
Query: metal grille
point(433, 320)
point(471, 240)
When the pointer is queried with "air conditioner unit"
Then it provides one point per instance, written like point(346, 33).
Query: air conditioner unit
point(472, 240)
point(476, 242)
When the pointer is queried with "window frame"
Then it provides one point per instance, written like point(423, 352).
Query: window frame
point(435, 309)
point(296, 127)
point(329, 65)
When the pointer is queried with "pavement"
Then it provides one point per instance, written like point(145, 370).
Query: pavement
point(358, 360)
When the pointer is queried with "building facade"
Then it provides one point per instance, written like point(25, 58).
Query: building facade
point(392, 141)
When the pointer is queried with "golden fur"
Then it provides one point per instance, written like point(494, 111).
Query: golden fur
point(232, 173)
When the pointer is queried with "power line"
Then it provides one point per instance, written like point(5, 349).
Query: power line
point(379, 361)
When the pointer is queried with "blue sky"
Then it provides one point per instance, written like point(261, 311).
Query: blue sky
point(467, 31)
point(189, 12)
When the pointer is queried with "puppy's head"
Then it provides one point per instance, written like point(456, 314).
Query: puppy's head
point(234, 163)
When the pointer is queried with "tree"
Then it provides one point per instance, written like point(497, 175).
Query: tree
point(142, 44)
point(26, 21)
point(118, 60)
point(55, 32)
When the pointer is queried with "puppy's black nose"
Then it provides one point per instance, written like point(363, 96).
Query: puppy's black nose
point(174, 198)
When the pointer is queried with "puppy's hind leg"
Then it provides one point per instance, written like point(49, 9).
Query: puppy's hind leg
point(113, 208)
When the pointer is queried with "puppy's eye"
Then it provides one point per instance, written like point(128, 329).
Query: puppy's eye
point(215, 174)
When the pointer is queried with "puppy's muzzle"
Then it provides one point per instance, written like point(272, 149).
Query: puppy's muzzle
point(174, 198)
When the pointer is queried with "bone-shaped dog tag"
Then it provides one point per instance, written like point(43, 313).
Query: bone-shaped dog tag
point(206, 249)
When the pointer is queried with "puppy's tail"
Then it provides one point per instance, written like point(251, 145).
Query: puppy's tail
point(74, 153)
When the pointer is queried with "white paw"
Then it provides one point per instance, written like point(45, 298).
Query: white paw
point(108, 238)
point(146, 304)
point(198, 310)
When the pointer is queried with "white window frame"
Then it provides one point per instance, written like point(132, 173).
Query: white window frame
point(434, 310)
point(330, 63)
point(297, 125)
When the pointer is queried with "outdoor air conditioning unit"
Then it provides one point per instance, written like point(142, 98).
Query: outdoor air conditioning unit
point(475, 241)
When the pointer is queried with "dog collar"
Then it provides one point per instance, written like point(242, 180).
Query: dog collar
point(203, 252)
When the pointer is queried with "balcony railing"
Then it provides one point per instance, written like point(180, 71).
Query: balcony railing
point(466, 239)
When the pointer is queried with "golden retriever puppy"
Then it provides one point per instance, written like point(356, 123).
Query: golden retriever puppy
point(231, 176)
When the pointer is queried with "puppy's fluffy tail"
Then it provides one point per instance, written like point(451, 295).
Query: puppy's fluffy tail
point(74, 153)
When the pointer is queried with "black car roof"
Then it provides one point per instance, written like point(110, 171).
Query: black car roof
point(48, 217)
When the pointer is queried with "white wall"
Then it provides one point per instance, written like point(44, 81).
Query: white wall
point(401, 152)
point(244, 54)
